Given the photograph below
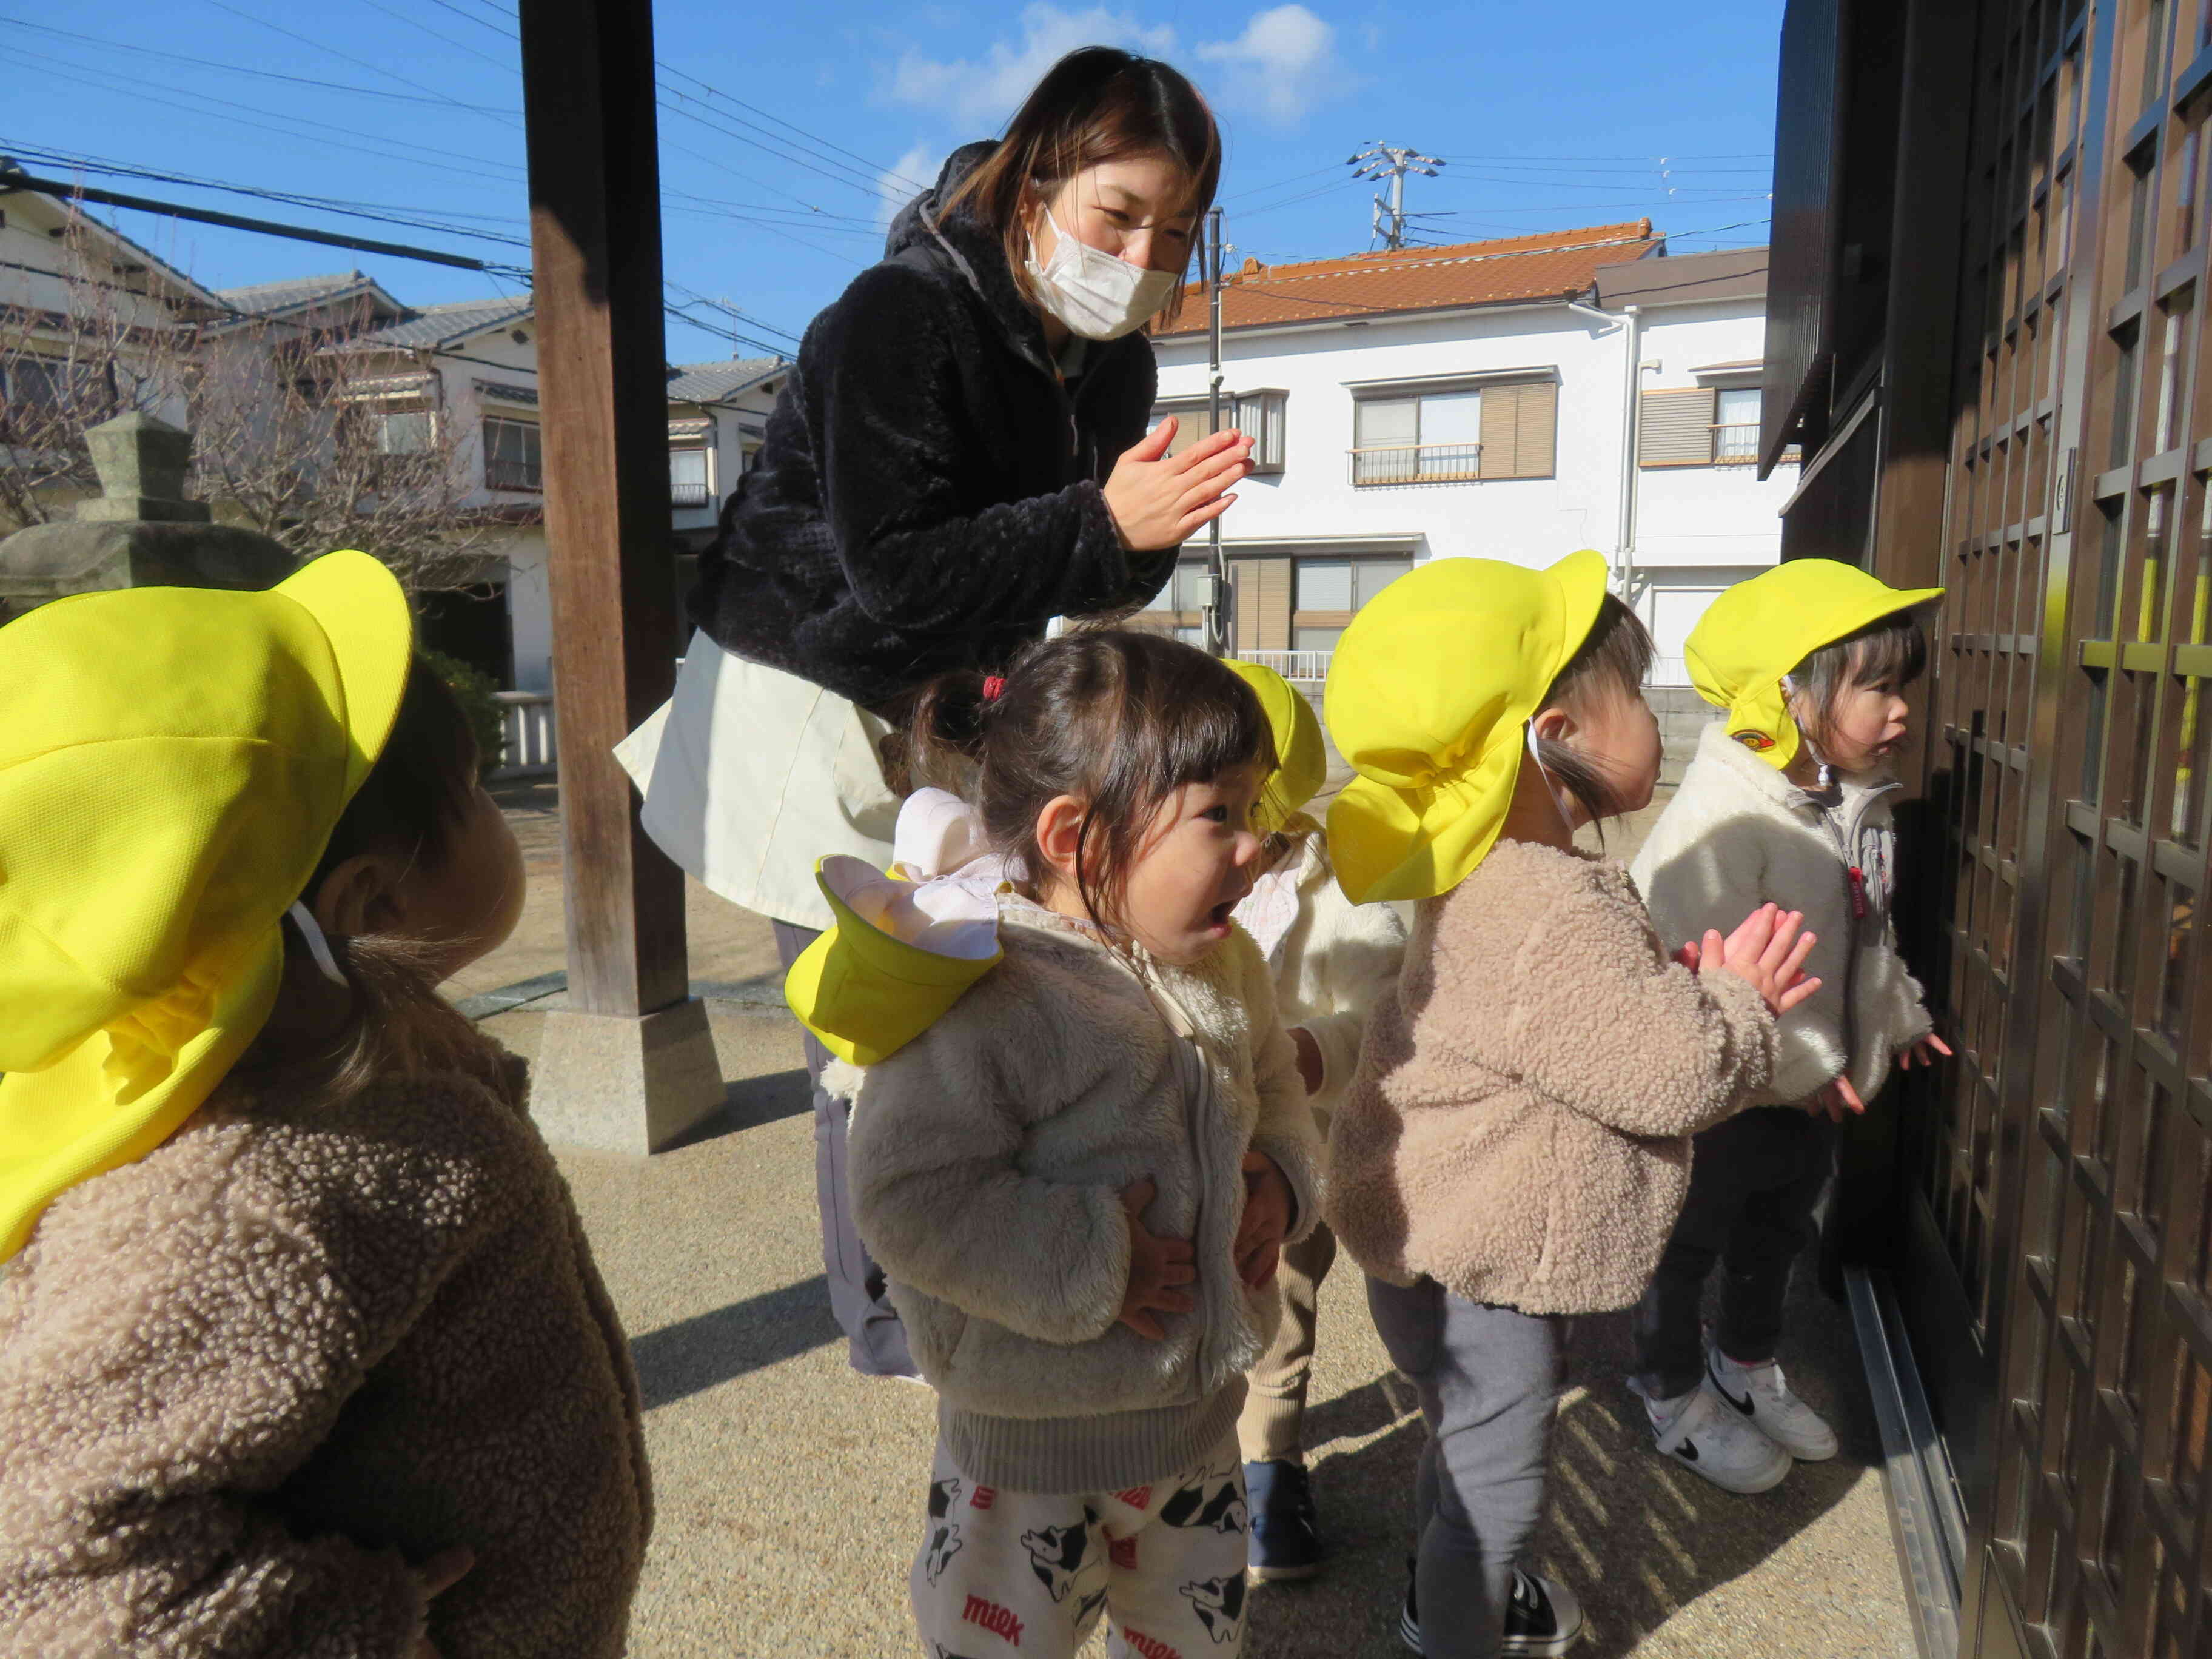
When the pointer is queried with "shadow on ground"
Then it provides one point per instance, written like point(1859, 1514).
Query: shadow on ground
point(712, 1348)
point(1637, 1539)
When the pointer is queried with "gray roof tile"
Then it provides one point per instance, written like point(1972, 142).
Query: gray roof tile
point(710, 383)
point(439, 325)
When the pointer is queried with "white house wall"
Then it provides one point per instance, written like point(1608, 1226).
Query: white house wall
point(1698, 529)
point(1705, 515)
point(1527, 521)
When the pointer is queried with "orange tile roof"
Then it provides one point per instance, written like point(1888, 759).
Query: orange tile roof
point(1559, 264)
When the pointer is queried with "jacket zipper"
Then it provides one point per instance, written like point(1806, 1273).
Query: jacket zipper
point(1845, 838)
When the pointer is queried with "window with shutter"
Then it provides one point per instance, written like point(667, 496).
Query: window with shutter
point(1675, 428)
point(1537, 430)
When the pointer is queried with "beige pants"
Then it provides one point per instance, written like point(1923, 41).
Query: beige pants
point(1272, 1428)
point(1273, 1423)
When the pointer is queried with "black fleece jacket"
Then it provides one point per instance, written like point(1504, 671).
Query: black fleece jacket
point(927, 494)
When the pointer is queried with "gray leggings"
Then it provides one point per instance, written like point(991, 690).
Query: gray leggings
point(876, 1340)
point(1488, 1378)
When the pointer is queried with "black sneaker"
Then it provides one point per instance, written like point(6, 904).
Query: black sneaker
point(1285, 1535)
point(1543, 1619)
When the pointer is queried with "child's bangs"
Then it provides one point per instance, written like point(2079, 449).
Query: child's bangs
point(1892, 652)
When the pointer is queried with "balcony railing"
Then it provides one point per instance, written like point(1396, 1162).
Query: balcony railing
point(689, 494)
point(1311, 666)
point(514, 474)
point(1735, 446)
point(1399, 463)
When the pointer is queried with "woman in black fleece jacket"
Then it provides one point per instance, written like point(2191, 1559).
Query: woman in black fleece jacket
point(958, 456)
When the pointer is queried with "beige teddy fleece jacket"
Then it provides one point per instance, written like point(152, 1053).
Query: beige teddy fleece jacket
point(1519, 1128)
point(245, 1381)
point(1737, 834)
point(987, 1159)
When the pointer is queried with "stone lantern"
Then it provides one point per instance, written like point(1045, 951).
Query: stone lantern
point(139, 532)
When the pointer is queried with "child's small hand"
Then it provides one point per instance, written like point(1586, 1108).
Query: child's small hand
point(1768, 952)
point(1157, 1266)
point(1267, 1204)
point(1310, 1064)
point(1924, 1052)
point(1838, 1099)
point(438, 1575)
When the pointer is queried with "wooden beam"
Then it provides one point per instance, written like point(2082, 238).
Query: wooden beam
point(588, 104)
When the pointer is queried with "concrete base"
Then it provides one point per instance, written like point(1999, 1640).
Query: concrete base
point(617, 1085)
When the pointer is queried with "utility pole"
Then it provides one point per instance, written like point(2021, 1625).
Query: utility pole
point(1216, 586)
point(1380, 161)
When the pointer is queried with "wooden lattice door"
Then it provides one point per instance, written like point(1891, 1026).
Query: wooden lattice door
point(2061, 1175)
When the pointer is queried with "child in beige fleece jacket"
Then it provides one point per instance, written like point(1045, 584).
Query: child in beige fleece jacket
point(326, 1371)
point(1514, 1146)
point(1079, 1178)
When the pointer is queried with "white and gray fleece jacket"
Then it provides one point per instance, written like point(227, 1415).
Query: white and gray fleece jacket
point(1739, 833)
point(987, 1159)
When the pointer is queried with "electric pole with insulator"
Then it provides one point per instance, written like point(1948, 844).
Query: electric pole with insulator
point(1393, 162)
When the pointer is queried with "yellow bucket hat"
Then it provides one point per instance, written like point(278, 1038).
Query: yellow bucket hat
point(1759, 630)
point(1429, 693)
point(1301, 755)
point(172, 761)
point(907, 944)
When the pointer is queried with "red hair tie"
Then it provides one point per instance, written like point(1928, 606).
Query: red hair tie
point(993, 685)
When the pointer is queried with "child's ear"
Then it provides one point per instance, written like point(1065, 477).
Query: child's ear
point(359, 897)
point(1060, 834)
point(1554, 725)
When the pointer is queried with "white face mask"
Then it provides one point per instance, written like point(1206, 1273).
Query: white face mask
point(1096, 294)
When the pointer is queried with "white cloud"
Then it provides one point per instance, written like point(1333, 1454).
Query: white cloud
point(906, 179)
point(983, 92)
point(1283, 63)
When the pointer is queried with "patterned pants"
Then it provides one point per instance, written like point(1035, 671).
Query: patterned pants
point(1002, 1573)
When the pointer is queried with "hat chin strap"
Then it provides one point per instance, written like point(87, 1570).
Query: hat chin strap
point(1789, 695)
point(319, 947)
point(1566, 818)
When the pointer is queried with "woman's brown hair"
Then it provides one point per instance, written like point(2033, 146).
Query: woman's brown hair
point(1118, 719)
point(1096, 105)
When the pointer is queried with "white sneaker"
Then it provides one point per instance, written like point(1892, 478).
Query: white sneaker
point(1762, 1394)
point(1706, 1434)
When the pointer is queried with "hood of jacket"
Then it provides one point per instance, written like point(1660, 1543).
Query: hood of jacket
point(957, 243)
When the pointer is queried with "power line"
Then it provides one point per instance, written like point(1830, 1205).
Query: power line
point(134, 87)
point(358, 63)
point(107, 45)
point(16, 179)
point(418, 23)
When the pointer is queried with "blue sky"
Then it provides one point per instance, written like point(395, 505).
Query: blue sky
point(787, 130)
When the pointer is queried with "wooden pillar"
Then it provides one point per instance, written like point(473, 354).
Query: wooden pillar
point(633, 1065)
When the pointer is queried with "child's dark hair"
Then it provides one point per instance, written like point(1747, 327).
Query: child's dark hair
point(1097, 103)
point(1117, 718)
point(1891, 650)
point(1613, 661)
point(413, 805)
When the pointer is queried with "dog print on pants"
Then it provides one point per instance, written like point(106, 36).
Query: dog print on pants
point(1016, 1575)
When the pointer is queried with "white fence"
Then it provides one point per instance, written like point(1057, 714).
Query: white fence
point(526, 725)
point(1292, 665)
